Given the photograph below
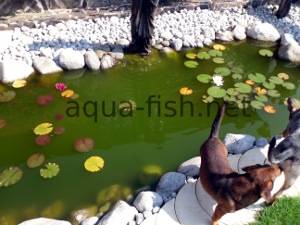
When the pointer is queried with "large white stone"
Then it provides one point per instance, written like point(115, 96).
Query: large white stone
point(263, 32)
point(46, 65)
point(239, 32)
point(190, 167)
point(70, 59)
point(167, 214)
point(147, 200)
point(107, 62)
point(6, 39)
point(45, 221)
point(151, 220)
point(92, 60)
point(289, 49)
point(11, 70)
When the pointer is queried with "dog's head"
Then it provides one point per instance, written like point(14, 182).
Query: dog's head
point(293, 106)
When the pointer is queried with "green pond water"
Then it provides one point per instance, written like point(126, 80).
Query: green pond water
point(127, 144)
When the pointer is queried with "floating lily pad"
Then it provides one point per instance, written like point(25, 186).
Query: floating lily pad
point(59, 130)
point(207, 99)
point(273, 93)
point(224, 71)
point(257, 77)
point(74, 96)
point(50, 170)
point(257, 104)
point(237, 70)
point(219, 47)
point(215, 53)
point(36, 160)
point(84, 144)
point(266, 52)
point(185, 91)
point(19, 83)
point(10, 176)
point(283, 76)
point(216, 92)
point(7, 96)
point(191, 64)
point(237, 76)
point(243, 88)
point(94, 164)
point(67, 93)
point(232, 92)
point(218, 60)
point(2, 123)
point(261, 98)
point(228, 98)
point(260, 91)
point(191, 55)
point(127, 106)
point(204, 78)
point(269, 85)
point(203, 55)
point(43, 129)
point(275, 80)
point(43, 140)
point(44, 100)
point(289, 85)
point(270, 109)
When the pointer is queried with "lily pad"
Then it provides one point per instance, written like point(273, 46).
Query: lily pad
point(261, 98)
point(275, 80)
point(237, 76)
point(36, 160)
point(218, 60)
point(243, 88)
point(223, 71)
point(216, 92)
point(215, 53)
point(7, 96)
point(94, 164)
point(266, 52)
point(219, 47)
point(237, 70)
point(283, 76)
point(43, 129)
point(203, 55)
point(19, 83)
point(229, 98)
point(185, 91)
point(44, 100)
point(204, 78)
point(50, 170)
point(273, 93)
point(207, 99)
point(43, 140)
point(232, 92)
point(84, 144)
point(127, 106)
point(269, 85)
point(67, 93)
point(191, 55)
point(2, 123)
point(10, 176)
point(191, 64)
point(257, 104)
point(289, 85)
point(260, 91)
point(257, 77)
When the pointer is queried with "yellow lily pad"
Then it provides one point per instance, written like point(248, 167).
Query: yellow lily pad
point(94, 164)
point(19, 83)
point(270, 109)
point(67, 93)
point(219, 47)
point(43, 129)
point(185, 91)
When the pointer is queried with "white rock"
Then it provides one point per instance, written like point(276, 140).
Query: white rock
point(92, 60)
point(139, 218)
point(71, 60)
point(47, 52)
point(177, 44)
point(107, 62)
point(239, 32)
point(45, 221)
point(263, 32)
point(147, 200)
point(6, 39)
point(190, 167)
point(225, 36)
point(117, 53)
point(289, 49)
point(90, 221)
point(121, 214)
point(238, 143)
point(11, 70)
point(46, 65)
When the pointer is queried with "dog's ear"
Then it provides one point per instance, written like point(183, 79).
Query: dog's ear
point(293, 105)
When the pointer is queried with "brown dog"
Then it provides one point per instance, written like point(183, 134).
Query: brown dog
point(232, 191)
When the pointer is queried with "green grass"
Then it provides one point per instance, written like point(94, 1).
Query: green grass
point(285, 212)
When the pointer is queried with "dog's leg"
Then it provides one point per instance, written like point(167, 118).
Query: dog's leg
point(221, 210)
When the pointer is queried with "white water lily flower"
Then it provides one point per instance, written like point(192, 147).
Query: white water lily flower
point(218, 80)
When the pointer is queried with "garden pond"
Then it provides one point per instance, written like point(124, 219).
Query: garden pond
point(133, 119)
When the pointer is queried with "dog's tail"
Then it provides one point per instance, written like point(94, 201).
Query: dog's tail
point(217, 122)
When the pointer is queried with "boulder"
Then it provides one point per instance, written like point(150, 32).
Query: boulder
point(177, 44)
point(147, 200)
point(90, 221)
point(289, 49)
point(46, 65)
point(225, 36)
point(239, 143)
point(190, 167)
point(70, 59)
point(239, 32)
point(6, 39)
point(263, 32)
point(261, 142)
point(107, 62)
point(11, 70)
point(169, 184)
point(117, 53)
point(100, 53)
point(45, 221)
point(120, 214)
point(92, 60)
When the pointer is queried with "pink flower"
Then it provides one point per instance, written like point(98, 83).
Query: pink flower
point(60, 86)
